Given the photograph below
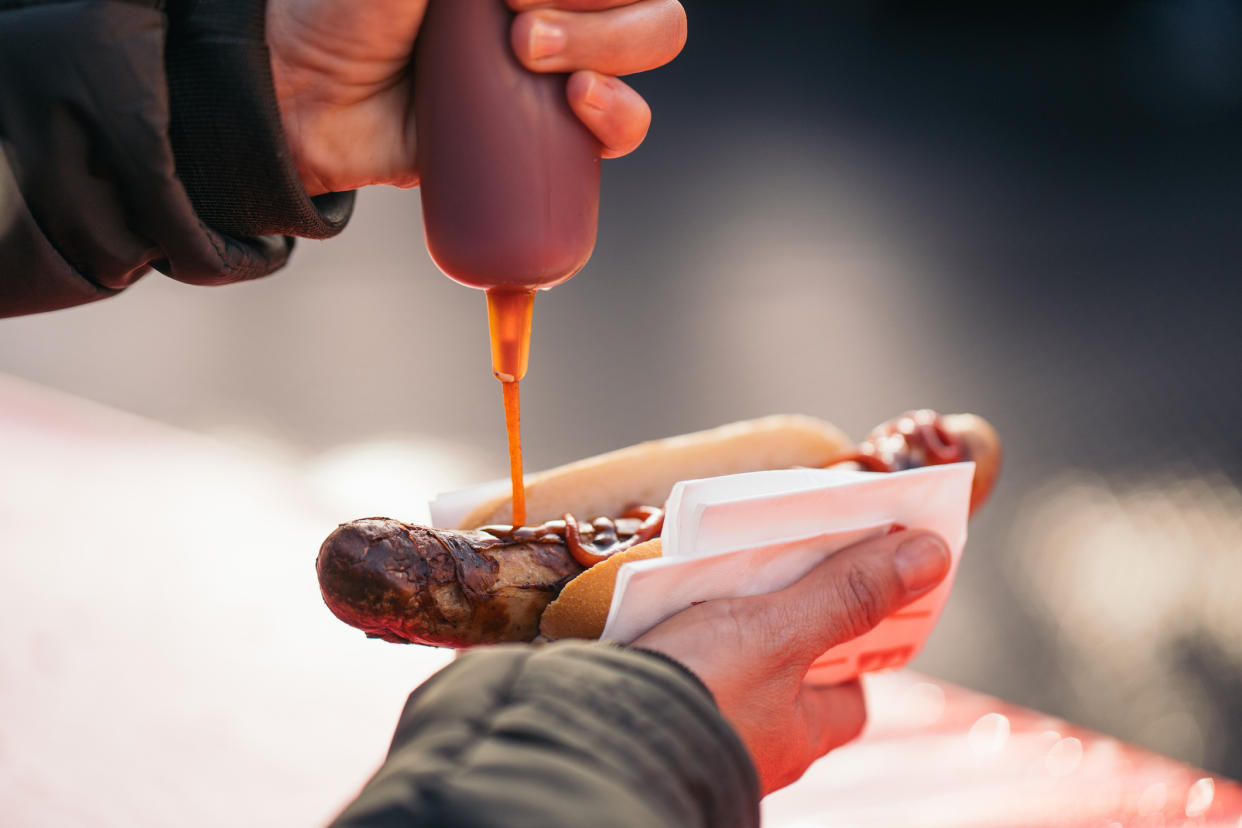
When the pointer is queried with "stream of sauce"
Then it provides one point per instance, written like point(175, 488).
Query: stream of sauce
point(509, 315)
point(513, 430)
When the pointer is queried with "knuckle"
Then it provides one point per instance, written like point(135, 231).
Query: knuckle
point(735, 616)
point(766, 624)
point(862, 600)
point(782, 629)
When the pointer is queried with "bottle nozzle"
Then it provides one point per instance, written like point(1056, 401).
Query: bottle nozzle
point(509, 317)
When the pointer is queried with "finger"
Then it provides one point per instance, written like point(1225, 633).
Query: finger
point(617, 114)
point(617, 41)
point(852, 591)
point(824, 718)
point(567, 5)
point(833, 715)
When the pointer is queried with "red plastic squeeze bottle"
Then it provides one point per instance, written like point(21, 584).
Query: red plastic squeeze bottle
point(509, 179)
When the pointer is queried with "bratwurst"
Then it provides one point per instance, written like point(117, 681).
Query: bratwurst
point(411, 584)
point(453, 588)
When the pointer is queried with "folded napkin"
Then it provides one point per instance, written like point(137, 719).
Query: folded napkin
point(754, 533)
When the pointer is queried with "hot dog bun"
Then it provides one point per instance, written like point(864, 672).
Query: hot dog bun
point(645, 474)
point(581, 610)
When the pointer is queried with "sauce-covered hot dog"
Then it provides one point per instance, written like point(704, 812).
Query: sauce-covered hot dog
point(491, 584)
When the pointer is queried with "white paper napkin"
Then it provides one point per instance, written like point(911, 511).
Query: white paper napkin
point(449, 509)
point(755, 533)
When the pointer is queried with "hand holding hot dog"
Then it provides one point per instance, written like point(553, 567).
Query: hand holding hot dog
point(343, 82)
point(753, 653)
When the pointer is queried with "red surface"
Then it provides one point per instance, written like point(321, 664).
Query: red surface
point(935, 754)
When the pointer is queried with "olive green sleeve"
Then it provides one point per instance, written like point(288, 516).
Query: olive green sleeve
point(566, 735)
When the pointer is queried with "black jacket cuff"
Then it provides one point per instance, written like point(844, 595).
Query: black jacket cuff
point(225, 128)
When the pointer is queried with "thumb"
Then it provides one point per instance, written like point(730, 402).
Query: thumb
point(856, 588)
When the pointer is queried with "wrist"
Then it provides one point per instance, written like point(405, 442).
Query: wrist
point(225, 127)
point(676, 663)
point(293, 99)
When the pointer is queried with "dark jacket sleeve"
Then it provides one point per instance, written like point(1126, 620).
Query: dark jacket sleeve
point(566, 735)
point(138, 134)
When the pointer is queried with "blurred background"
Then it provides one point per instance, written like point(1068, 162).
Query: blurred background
point(848, 209)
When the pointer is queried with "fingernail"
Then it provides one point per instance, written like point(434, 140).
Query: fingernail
point(922, 562)
point(546, 40)
point(598, 94)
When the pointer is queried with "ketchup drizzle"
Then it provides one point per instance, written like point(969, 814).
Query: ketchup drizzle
point(917, 438)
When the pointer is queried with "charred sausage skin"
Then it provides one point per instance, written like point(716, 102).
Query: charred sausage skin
point(412, 584)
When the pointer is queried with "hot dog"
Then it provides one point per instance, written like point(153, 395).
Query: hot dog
point(488, 582)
